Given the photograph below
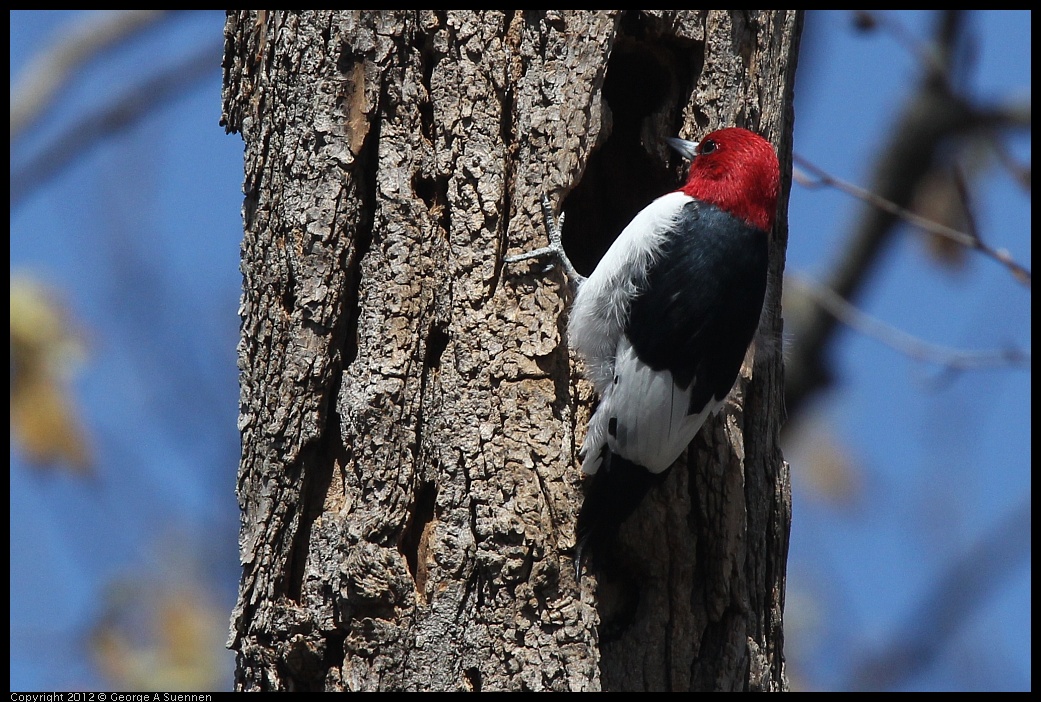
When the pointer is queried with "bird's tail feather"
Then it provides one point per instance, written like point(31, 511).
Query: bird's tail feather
point(613, 494)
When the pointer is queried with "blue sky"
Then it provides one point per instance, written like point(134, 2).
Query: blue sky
point(141, 239)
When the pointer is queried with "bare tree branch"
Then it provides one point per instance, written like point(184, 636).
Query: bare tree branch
point(984, 566)
point(39, 82)
point(920, 138)
point(1018, 171)
point(131, 107)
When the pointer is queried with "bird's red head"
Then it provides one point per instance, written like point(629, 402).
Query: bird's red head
point(737, 171)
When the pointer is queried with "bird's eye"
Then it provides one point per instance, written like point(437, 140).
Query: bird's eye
point(708, 146)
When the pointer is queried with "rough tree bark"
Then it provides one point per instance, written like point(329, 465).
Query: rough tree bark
point(409, 411)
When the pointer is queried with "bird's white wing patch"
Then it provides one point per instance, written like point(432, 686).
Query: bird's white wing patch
point(602, 303)
point(642, 416)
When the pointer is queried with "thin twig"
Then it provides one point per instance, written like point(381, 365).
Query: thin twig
point(899, 340)
point(811, 176)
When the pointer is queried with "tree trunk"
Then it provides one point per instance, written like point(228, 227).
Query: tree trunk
point(409, 411)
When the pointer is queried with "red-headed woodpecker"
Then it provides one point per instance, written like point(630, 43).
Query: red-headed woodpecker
point(663, 323)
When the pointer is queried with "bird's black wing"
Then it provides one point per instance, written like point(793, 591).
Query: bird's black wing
point(700, 333)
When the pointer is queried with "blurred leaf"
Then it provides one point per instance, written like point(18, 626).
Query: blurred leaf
point(170, 638)
point(826, 465)
point(44, 354)
point(938, 199)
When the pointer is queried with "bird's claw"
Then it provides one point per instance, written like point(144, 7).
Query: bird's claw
point(555, 248)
